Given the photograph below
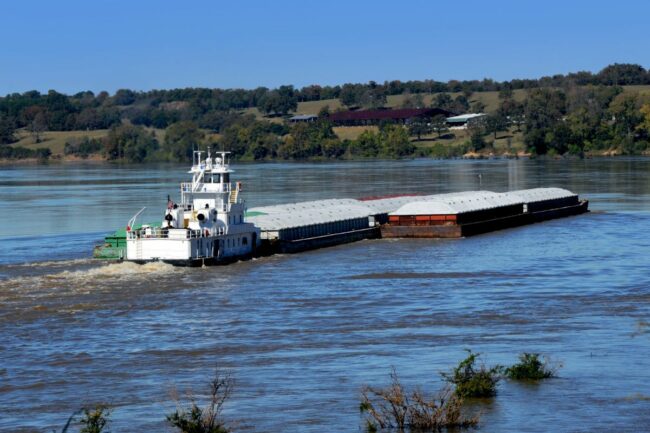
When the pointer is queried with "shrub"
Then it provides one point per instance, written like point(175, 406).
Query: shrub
point(530, 367)
point(473, 381)
point(19, 152)
point(395, 408)
point(83, 147)
point(94, 420)
point(193, 419)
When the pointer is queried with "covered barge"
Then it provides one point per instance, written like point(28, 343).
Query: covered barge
point(302, 226)
point(475, 212)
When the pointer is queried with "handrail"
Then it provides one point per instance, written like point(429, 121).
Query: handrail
point(131, 222)
point(162, 233)
point(190, 187)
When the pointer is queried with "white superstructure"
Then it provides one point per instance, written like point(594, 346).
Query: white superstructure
point(206, 227)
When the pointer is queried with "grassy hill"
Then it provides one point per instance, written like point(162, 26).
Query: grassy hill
point(55, 140)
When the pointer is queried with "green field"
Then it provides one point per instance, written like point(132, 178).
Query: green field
point(55, 140)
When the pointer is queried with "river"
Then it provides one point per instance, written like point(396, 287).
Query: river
point(303, 333)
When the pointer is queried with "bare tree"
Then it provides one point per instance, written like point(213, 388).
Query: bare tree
point(191, 418)
point(37, 126)
point(397, 409)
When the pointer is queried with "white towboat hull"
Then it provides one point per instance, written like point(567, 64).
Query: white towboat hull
point(190, 251)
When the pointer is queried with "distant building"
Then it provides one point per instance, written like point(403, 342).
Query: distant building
point(374, 117)
point(303, 118)
point(464, 120)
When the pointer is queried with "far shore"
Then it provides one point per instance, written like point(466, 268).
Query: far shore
point(98, 159)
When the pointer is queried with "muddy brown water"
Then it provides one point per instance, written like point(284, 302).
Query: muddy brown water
point(302, 333)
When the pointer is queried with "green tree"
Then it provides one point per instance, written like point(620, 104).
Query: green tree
point(280, 101)
point(644, 124)
point(506, 93)
point(544, 108)
point(495, 123)
point(444, 101)
point(477, 107)
point(129, 142)
point(374, 97)
point(626, 114)
point(306, 140)
point(460, 104)
point(418, 126)
point(181, 139)
point(7, 129)
point(124, 97)
point(395, 142)
point(439, 124)
point(366, 145)
point(350, 95)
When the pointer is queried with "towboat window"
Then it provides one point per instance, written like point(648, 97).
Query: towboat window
point(216, 178)
point(226, 177)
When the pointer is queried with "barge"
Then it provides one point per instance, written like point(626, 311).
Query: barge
point(211, 224)
point(476, 212)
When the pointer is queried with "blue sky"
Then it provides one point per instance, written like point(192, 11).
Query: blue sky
point(73, 45)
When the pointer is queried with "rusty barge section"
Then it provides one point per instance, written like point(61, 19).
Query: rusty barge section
point(476, 212)
point(296, 227)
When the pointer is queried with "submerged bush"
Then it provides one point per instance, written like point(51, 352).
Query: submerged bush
point(530, 367)
point(194, 419)
point(94, 420)
point(395, 408)
point(471, 380)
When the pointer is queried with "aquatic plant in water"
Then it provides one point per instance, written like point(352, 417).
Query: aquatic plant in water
point(94, 420)
point(530, 367)
point(471, 380)
point(395, 408)
point(194, 419)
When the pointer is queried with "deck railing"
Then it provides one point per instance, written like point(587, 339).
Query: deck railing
point(163, 233)
point(186, 187)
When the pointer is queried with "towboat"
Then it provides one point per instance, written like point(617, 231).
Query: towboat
point(206, 227)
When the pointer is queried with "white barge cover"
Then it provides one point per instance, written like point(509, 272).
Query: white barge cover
point(457, 203)
point(310, 213)
point(541, 194)
point(293, 215)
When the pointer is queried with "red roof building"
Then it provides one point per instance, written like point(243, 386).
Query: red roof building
point(374, 117)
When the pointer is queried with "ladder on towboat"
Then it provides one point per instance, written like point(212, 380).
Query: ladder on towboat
point(233, 196)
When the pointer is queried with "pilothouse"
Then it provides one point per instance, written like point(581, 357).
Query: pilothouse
point(208, 225)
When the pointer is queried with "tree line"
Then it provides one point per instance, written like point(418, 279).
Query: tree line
point(247, 139)
point(573, 113)
point(210, 108)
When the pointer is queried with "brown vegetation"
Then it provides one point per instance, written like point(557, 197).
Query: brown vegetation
point(394, 407)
